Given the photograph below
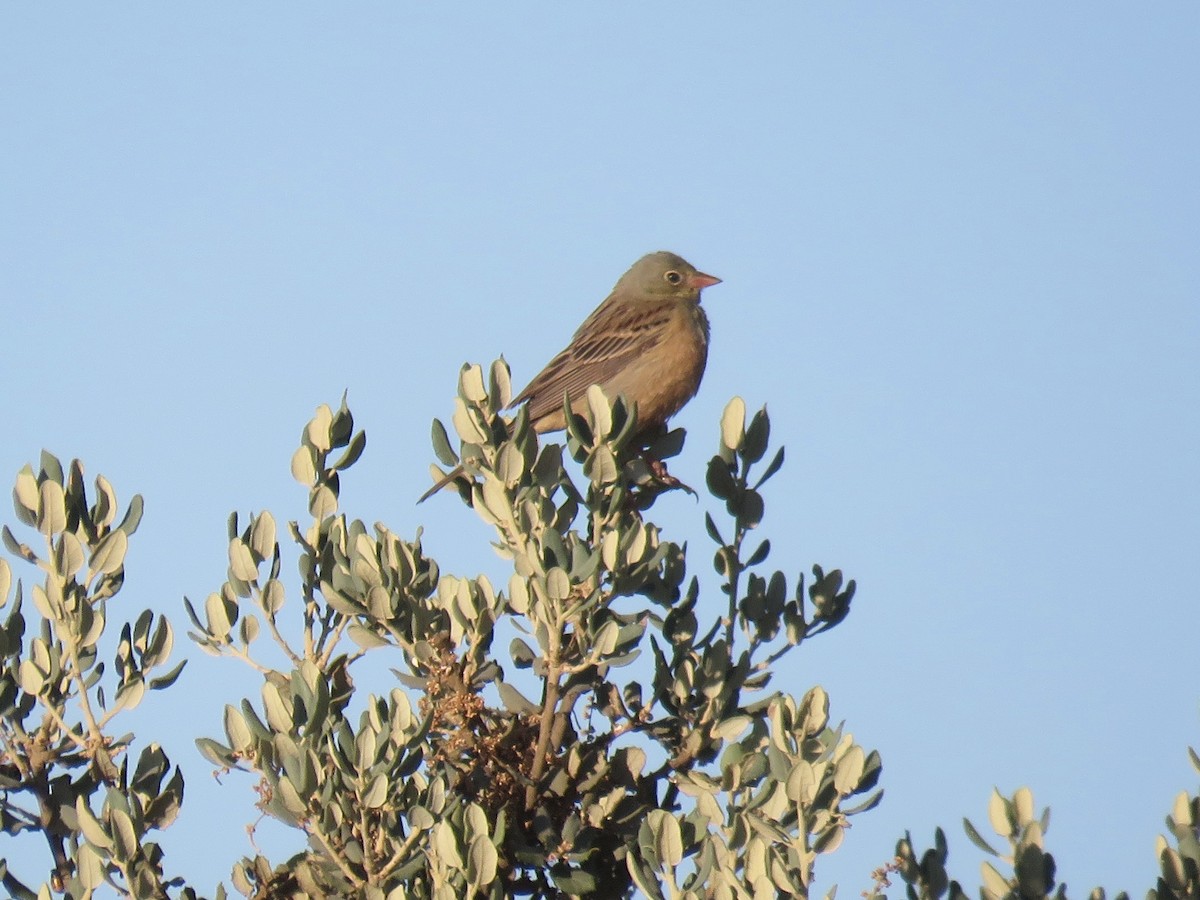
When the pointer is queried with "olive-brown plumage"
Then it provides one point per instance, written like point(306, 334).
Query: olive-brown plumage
point(648, 342)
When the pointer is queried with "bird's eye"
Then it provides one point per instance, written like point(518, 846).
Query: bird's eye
point(673, 277)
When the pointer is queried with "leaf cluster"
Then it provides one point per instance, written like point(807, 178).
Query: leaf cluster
point(1021, 868)
point(63, 775)
point(625, 739)
point(462, 780)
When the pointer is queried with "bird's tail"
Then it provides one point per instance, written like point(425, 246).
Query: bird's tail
point(457, 471)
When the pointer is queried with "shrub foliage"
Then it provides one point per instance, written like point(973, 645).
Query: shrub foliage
point(627, 739)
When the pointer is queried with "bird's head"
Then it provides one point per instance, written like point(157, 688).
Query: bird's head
point(663, 274)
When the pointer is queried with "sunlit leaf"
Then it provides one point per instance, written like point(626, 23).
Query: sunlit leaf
point(52, 509)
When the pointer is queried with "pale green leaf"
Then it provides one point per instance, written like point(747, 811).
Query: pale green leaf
point(1181, 810)
point(353, 453)
point(318, 430)
point(52, 508)
point(470, 384)
point(668, 840)
point(241, 561)
point(249, 629)
point(68, 558)
point(376, 794)
point(106, 502)
point(272, 597)
point(496, 500)
point(262, 536)
point(365, 637)
point(510, 465)
point(514, 700)
point(476, 820)
point(218, 614)
point(518, 595)
point(605, 641)
point(609, 544)
point(994, 885)
point(482, 861)
point(977, 838)
point(165, 681)
point(441, 444)
point(469, 431)
point(601, 411)
point(25, 493)
point(1023, 806)
point(90, 825)
point(130, 693)
point(848, 771)
point(278, 710)
point(161, 644)
point(643, 877)
point(322, 502)
point(445, 842)
point(109, 555)
point(601, 466)
point(16, 547)
point(133, 516)
point(501, 384)
point(240, 737)
point(30, 677)
point(635, 760)
point(558, 585)
point(92, 618)
point(733, 423)
point(286, 792)
point(998, 814)
point(90, 867)
point(732, 728)
point(304, 467)
point(125, 842)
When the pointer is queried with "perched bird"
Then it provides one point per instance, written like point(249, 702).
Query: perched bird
point(647, 341)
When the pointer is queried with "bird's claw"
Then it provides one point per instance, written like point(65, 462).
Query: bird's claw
point(649, 477)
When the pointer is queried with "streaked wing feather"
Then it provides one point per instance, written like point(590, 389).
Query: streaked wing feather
point(609, 339)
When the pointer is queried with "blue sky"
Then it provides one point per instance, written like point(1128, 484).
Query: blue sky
point(959, 251)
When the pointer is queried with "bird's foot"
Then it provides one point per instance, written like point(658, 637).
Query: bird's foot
point(650, 477)
point(665, 480)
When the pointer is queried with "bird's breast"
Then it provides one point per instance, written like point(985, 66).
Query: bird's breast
point(667, 375)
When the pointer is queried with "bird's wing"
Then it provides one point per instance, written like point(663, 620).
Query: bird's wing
point(610, 338)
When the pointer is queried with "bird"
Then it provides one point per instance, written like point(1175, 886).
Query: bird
point(647, 341)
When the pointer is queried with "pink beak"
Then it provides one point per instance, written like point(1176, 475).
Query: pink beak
point(701, 281)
